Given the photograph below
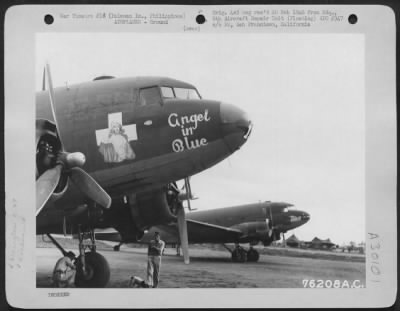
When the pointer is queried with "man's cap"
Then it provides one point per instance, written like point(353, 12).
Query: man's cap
point(71, 255)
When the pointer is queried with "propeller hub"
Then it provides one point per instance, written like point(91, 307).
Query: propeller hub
point(75, 159)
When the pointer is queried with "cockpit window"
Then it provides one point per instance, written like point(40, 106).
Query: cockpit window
point(178, 92)
point(288, 208)
point(167, 92)
point(149, 96)
point(184, 93)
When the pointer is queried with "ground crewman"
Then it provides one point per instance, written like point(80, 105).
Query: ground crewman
point(64, 271)
point(155, 251)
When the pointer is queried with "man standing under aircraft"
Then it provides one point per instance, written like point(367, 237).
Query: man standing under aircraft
point(155, 251)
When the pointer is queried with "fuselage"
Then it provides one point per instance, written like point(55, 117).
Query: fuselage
point(138, 134)
point(277, 214)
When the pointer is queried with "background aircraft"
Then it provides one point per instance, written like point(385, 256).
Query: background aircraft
point(260, 222)
point(108, 148)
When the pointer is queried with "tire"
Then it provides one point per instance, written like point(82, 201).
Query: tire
point(253, 255)
point(239, 255)
point(98, 273)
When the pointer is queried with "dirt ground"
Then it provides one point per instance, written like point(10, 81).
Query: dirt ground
point(212, 268)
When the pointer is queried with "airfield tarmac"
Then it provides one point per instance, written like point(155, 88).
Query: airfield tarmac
point(212, 268)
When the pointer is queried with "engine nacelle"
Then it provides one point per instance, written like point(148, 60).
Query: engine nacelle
point(131, 215)
point(151, 208)
point(253, 231)
point(275, 236)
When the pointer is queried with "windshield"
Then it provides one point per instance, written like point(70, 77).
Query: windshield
point(288, 208)
point(181, 93)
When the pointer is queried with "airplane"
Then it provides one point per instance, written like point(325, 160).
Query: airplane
point(252, 223)
point(108, 148)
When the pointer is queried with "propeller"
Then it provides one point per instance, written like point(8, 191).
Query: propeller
point(46, 185)
point(271, 230)
point(66, 163)
point(90, 187)
point(187, 195)
point(183, 234)
point(181, 218)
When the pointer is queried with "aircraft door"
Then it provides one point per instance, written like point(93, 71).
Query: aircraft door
point(148, 113)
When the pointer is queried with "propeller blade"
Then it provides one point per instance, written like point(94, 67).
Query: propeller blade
point(183, 234)
point(44, 80)
point(90, 187)
point(45, 186)
point(52, 102)
point(269, 226)
point(188, 192)
point(272, 220)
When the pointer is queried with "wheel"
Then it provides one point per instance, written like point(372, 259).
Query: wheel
point(252, 255)
point(97, 271)
point(116, 248)
point(239, 255)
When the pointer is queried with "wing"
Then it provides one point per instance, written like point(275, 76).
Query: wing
point(199, 232)
point(108, 235)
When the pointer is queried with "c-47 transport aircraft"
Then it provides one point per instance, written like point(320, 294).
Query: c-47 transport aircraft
point(107, 150)
point(252, 223)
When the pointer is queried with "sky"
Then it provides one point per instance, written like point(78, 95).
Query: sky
point(303, 92)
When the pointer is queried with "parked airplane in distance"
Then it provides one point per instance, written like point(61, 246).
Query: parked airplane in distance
point(252, 223)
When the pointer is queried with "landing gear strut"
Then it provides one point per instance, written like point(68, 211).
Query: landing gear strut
point(118, 246)
point(62, 250)
point(92, 268)
point(178, 250)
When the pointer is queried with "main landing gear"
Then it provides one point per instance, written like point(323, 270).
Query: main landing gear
point(92, 269)
point(239, 254)
point(118, 246)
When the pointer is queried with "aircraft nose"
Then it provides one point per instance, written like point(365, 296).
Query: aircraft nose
point(235, 120)
point(305, 216)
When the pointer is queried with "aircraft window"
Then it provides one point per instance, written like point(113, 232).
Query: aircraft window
point(183, 93)
point(167, 92)
point(287, 208)
point(149, 96)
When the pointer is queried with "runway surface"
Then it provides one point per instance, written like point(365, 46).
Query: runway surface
point(212, 268)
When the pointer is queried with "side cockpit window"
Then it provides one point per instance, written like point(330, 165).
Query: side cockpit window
point(149, 96)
